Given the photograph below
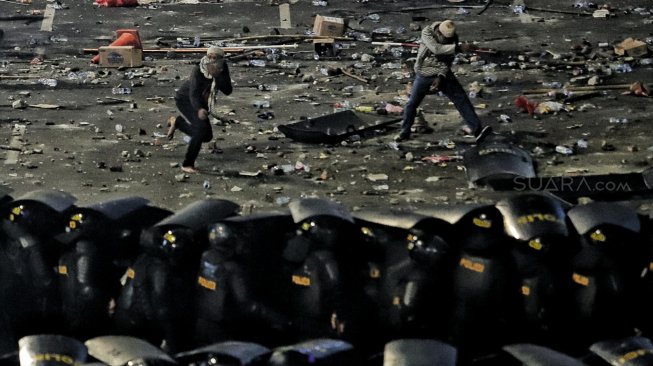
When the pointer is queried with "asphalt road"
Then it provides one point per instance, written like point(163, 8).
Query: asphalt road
point(100, 151)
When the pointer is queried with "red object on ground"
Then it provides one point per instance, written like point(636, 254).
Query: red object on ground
point(524, 105)
point(116, 3)
point(125, 37)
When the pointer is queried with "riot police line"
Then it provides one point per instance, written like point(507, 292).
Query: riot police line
point(529, 280)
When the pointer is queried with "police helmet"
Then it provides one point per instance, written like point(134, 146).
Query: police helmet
point(169, 241)
point(223, 239)
point(30, 213)
point(427, 248)
point(325, 230)
point(86, 223)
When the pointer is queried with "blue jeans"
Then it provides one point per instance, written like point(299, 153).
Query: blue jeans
point(452, 89)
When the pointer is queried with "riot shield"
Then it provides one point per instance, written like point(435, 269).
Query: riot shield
point(527, 216)
point(4, 196)
point(116, 208)
point(397, 219)
point(199, 214)
point(258, 241)
point(589, 216)
point(51, 350)
point(497, 161)
point(450, 213)
point(121, 350)
point(335, 127)
point(534, 355)
point(235, 352)
point(57, 200)
point(317, 352)
point(630, 351)
point(307, 208)
point(419, 352)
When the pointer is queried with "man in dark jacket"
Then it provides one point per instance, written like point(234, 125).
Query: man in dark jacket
point(193, 101)
point(433, 73)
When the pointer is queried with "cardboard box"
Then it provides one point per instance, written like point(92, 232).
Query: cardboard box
point(328, 26)
point(324, 47)
point(121, 56)
point(631, 47)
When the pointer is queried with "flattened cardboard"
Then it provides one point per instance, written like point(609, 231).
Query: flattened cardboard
point(631, 47)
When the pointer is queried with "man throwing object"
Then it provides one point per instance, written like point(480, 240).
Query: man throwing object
point(194, 98)
point(433, 73)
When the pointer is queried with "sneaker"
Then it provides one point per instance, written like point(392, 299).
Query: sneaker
point(402, 136)
point(483, 133)
point(423, 129)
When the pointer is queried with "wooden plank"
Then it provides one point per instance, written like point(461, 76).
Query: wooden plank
point(48, 18)
point(15, 142)
point(201, 50)
point(284, 16)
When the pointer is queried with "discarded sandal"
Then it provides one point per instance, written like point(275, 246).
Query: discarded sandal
point(172, 127)
point(189, 169)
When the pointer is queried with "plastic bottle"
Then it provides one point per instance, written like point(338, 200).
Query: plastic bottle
point(505, 118)
point(121, 91)
point(261, 104)
point(342, 106)
point(391, 65)
point(319, 3)
point(265, 87)
point(365, 109)
point(621, 68)
point(565, 150)
point(257, 63)
point(288, 65)
point(553, 84)
point(48, 82)
point(382, 30)
point(77, 75)
point(397, 51)
point(518, 9)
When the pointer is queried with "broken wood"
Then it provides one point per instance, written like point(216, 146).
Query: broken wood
point(18, 77)
point(22, 17)
point(418, 8)
point(355, 76)
point(580, 88)
point(557, 11)
point(203, 50)
point(395, 44)
point(13, 148)
point(44, 106)
point(16, 2)
point(112, 100)
point(277, 36)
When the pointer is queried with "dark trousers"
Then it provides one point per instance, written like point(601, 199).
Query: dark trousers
point(199, 130)
point(452, 89)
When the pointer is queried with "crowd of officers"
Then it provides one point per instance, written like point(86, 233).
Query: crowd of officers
point(527, 269)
